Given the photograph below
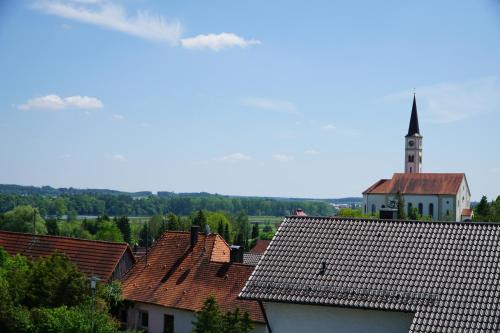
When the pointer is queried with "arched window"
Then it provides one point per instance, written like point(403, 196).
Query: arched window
point(373, 208)
point(411, 158)
point(383, 206)
point(421, 209)
point(365, 209)
point(431, 209)
point(410, 207)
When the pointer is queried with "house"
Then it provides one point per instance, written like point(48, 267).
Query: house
point(253, 256)
point(105, 260)
point(180, 271)
point(440, 196)
point(328, 274)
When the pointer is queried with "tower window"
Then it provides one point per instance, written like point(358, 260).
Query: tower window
point(411, 158)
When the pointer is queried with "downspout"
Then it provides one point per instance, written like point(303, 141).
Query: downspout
point(265, 317)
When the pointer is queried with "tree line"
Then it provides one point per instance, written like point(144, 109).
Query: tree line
point(487, 211)
point(179, 204)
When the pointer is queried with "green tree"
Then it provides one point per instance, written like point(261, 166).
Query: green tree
point(200, 219)
point(413, 214)
point(235, 322)
point(123, 224)
point(209, 319)
point(400, 205)
point(52, 227)
point(108, 231)
point(21, 218)
point(227, 234)
point(173, 222)
point(145, 236)
point(255, 230)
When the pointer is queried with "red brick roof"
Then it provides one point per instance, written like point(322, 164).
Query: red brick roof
point(94, 258)
point(260, 247)
point(418, 183)
point(467, 212)
point(176, 275)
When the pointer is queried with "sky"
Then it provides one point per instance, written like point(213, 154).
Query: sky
point(267, 98)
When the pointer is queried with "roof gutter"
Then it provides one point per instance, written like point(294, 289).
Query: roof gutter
point(265, 317)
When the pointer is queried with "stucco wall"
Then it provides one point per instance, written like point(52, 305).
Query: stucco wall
point(182, 319)
point(290, 318)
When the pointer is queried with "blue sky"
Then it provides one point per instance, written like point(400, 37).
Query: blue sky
point(281, 98)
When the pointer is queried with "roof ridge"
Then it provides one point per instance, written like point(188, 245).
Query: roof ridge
point(390, 221)
point(63, 237)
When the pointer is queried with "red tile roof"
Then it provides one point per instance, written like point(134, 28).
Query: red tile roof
point(260, 247)
point(176, 275)
point(467, 212)
point(94, 258)
point(418, 183)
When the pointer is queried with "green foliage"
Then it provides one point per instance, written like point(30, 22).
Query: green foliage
point(124, 225)
point(108, 231)
point(221, 222)
point(145, 236)
point(52, 227)
point(487, 211)
point(400, 202)
point(173, 222)
point(255, 230)
point(413, 214)
point(20, 219)
point(350, 212)
point(50, 295)
point(200, 219)
point(211, 320)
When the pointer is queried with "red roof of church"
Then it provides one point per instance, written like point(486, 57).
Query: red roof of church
point(94, 258)
point(418, 183)
point(176, 275)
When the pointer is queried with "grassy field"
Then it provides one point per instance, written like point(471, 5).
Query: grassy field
point(272, 220)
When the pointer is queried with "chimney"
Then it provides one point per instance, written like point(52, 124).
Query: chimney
point(236, 254)
point(194, 234)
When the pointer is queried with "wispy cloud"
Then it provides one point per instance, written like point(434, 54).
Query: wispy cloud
point(118, 157)
point(114, 17)
point(143, 24)
point(235, 157)
point(118, 117)
point(283, 157)
point(450, 102)
point(276, 105)
point(54, 102)
point(217, 42)
point(329, 127)
point(311, 152)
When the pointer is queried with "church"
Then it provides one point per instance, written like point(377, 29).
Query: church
point(440, 196)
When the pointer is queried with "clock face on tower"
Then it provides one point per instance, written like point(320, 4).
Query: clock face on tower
point(411, 143)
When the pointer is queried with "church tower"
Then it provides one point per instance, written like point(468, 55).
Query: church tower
point(413, 143)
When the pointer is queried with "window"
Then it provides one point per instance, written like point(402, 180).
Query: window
point(411, 158)
point(365, 209)
point(431, 209)
point(143, 319)
point(410, 207)
point(411, 170)
point(373, 208)
point(168, 323)
point(421, 209)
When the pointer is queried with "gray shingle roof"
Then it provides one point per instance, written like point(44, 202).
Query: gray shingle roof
point(251, 258)
point(447, 273)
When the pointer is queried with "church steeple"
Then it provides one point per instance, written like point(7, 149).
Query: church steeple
point(413, 143)
point(413, 128)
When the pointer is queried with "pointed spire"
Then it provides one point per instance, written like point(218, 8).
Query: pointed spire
point(413, 128)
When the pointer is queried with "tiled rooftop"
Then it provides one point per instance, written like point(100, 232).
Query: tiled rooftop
point(176, 275)
point(418, 183)
point(250, 258)
point(447, 273)
point(94, 258)
point(260, 246)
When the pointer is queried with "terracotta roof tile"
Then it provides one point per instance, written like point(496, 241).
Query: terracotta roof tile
point(467, 212)
point(91, 257)
point(176, 275)
point(418, 183)
point(260, 247)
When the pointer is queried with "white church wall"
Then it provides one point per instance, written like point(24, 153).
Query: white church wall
point(425, 200)
point(291, 318)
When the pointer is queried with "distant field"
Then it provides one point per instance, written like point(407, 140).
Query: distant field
point(265, 219)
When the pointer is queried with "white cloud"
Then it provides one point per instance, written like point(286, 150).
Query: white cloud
point(54, 102)
point(235, 157)
point(450, 102)
point(269, 104)
point(311, 152)
point(217, 42)
point(118, 157)
point(114, 17)
point(282, 157)
point(117, 116)
point(329, 127)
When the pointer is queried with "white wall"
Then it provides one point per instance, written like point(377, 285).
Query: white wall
point(290, 318)
point(182, 319)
